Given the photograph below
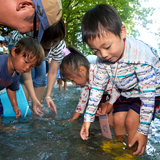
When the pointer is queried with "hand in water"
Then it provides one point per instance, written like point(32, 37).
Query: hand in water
point(37, 107)
point(50, 104)
point(84, 133)
point(142, 141)
point(17, 112)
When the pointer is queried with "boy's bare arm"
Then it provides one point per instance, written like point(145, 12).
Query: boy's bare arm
point(106, 108)
point(51, 79)
point(13, 100)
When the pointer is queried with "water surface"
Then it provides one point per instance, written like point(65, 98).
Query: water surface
point(52, 137)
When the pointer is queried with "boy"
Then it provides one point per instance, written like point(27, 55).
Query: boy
point(26, 54)
point(133, 69)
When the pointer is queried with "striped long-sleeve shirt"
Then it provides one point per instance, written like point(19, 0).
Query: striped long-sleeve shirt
point(85, 90)
point(137, 75)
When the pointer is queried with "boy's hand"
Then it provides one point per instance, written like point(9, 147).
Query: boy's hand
point(142, 141)
point(37, 107)
point(17, 112)
point(99, 111)
point(109, 108)
point(50, 104)
point(84, 133)
point(106, 108)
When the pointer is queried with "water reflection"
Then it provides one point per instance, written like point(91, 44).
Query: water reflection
point(53, 137)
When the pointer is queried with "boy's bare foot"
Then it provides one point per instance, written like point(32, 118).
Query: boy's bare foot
point(121, 138)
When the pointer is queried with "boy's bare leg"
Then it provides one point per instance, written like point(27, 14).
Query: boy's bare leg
point(110, 119)
point(119, 125)
point(132, 123)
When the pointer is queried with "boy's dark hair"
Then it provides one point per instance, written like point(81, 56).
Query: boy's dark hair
point(100, 19)
point(70, 64)
point(55, 31)
point(30, 49)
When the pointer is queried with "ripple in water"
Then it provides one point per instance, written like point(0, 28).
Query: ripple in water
point(53, 137)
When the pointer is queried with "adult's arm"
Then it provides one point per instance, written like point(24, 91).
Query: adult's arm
point(27, 78)
point(56, 54)
point(51, 79)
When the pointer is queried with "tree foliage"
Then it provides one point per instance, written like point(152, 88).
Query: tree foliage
point(130, 11)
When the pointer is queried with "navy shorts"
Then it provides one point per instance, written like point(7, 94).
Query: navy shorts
point(124, 104)
point(1, 108)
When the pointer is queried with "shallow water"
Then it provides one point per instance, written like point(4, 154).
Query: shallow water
point(52, 137)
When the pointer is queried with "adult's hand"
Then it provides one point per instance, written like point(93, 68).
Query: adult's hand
point(50, 104)
point(37, 107)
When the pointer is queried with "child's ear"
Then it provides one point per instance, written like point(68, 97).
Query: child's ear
point(123, 32)
point(82, 70)
point(13, 53)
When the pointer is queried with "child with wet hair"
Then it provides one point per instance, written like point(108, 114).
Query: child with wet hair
point(76, 68)
point(26, 54)
point(132, 67)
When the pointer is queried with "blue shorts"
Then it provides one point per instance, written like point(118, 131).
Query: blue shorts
point(1, 108)
point(58, 74)
point(47, 67)
point(124, 104)
point(38, 76)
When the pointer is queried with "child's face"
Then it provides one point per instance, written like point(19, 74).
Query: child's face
point(23, 64)
point(79, 80)
point(108, 46)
